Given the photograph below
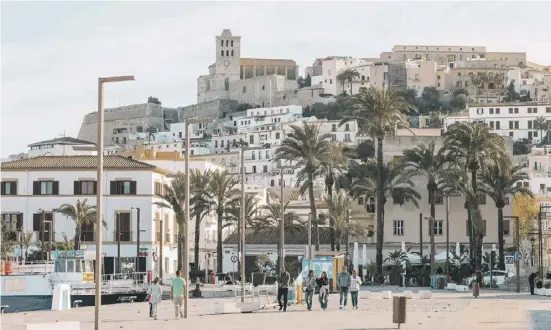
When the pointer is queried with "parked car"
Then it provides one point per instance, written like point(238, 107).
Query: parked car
point(499, 277)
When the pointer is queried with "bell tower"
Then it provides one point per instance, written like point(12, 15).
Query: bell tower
point(228, 55)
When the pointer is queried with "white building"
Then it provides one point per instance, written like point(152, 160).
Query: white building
point(515, 120)
point(63, 146)
point(41, 184)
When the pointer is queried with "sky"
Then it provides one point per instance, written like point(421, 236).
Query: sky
point(53, 52)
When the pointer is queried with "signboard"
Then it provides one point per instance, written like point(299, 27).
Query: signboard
point(319, 264)
point(144, 252)
point(69, 254)
point(88, 277)
point(234, 259)
point(518, 255)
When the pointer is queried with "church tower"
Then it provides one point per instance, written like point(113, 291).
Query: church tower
point(228, 55)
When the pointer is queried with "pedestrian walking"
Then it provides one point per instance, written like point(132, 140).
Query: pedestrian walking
point(155, 297)
point(323, 284)
point(309, 286)
point(283, 289)
point(178, 293)
point(531, 282)
point(343, 280)
point(355, 283)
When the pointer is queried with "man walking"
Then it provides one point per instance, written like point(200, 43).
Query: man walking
point(283, 289)
point(531, 282)
point(178, 293)
point(343, 280)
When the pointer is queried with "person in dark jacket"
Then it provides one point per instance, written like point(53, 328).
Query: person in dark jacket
point(323, 283)
point(283, 289)
point(531, 280)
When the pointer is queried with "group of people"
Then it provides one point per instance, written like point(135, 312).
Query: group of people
point(346, 283)
point(155, 295)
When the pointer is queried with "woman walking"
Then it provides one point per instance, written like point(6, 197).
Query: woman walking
point(155, 296)
point(309, 288)
point(323, 283)
point(355, 283)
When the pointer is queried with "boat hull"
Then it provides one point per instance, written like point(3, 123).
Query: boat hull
point(36, 303)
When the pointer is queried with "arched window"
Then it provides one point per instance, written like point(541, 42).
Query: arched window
point(244, 89)
point(227, 84)
point(232, 43)
point(226, 43)
point(208, 85)
point(222, 43)
point(232, 52)
point(221, 53)
point(227, 53)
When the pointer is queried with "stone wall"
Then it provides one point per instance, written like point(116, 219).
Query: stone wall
point(214, 108)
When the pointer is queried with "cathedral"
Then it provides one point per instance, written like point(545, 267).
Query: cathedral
point(246, 80)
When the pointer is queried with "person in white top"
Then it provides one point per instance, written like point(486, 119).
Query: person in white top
point(355, 282)
point(155, 296)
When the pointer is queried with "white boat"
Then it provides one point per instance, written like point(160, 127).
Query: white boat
point(30, 286)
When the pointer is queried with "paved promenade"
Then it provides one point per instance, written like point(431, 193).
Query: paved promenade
point(492, 310)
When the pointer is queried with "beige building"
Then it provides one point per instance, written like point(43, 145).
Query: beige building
point(484, 93)
point(402, 223)
point(421, 74)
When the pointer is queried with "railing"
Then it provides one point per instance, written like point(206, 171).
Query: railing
point(33, 267)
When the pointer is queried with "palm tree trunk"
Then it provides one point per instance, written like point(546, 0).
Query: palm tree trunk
point(350, 87)
point(500, 238)
point(431, 228)
point(313, 210)
point(338, 241)
point(77, 237)
point(197, 238)
point(380, 206)
point(219, 254)
point(477, 241)
point(329, 185)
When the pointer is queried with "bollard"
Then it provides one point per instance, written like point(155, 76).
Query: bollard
point(399, 310)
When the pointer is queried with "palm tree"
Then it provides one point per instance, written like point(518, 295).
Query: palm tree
point(338, 210)
point(252, 218)
point(472, 146)
point(67, 244)
point(498, 80)
point(82, 214)
point(307, 147)
point(222, 187)
point(348, 75)
point(200, 205)
point(499, 182)
point(174, 198)
point(291, 220)
point(388, 182)
point(428, 162)
point(26, 241)
point(379, 112)
point(541, 124)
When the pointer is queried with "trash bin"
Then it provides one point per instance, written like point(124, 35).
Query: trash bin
point(399, 310)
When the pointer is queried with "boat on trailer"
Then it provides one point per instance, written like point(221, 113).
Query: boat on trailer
point(30, 286)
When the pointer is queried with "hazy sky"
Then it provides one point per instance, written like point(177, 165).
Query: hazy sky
point(53, 52)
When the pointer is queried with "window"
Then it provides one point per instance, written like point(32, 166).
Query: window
point(516, 110)
point(272, 183)
point(347, 137)
point(254, 168)
point(498, 125)
point(398, 227)
point(227, 53)
point(438, 226)
point(347, 127)
point(42, 225)
point(13, 223)
point(360, 201)
point(123, 226)
point(244, 89)
point(506, 200)
point(253, 155)
point(85, 187)
point(46, 188)
point(222, 43)
point(158, 189)
point(510, 110)
point(232, 52)
point(498, 111)
point(265, 168)
point(506, 227)
point(251, 139)
point(167, 229)
point(481, 199)
point(221, 53)
point(491, 111)
point(530, 123)
point(398, 200)
point(267, 154)
point(231, 43)
point(492, 125)
point(548, 109)
point(123, 188)
point(9, 188)
point(87, 232)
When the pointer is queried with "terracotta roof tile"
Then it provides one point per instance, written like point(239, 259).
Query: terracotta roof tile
point(72, 162)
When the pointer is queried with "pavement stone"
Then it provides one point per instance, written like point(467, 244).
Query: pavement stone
point(492, 310)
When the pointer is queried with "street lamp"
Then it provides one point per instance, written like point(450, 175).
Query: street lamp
point(309, 241)
point(540, 238)
point(492, 253)
point(187, 122)
point(99, 196)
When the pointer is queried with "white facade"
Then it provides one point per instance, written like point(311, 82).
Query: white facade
point(514, 120)
point(64, 146)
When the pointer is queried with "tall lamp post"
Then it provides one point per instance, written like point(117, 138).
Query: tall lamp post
point(540, 237)
point(242, 223)
point(99, 195)
point(448, 195)
point(187, 122)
